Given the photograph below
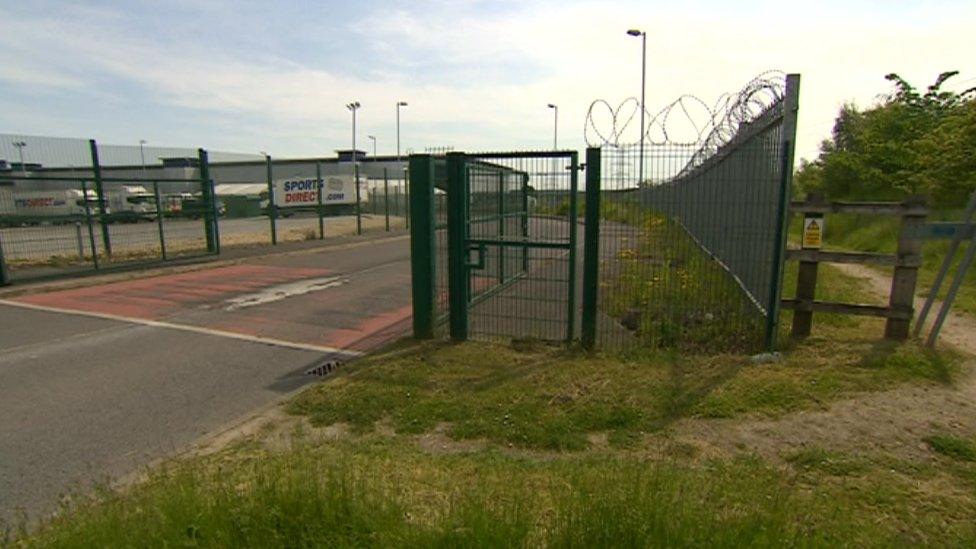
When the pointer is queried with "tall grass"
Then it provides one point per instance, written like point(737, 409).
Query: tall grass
point(327, 498)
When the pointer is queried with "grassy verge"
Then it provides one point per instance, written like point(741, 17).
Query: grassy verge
point(486, 445)
point(384, 492)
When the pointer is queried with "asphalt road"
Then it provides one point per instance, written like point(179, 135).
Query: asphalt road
point(96, 382)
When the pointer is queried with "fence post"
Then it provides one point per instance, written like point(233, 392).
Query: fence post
point(943, 271)
point(100, 193)
point(525, 221)
point(406, 192)
point(396, 201)
point(573, 239)
point(791, 105)
point(272, 207)
point(321, 208)
point(359, 202)
point(422, 247)
point(458, 290)
point(88, 221)
point(4, 272)
point(386, 199)
point(806, 290)
point(903, 281)
point(501, 227)
point(159, 220)
point(81, 243)
point(209, 202)
point(591, 248)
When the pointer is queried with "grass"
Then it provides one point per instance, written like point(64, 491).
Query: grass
point(511, 459)
point(385, 492)
point(550, 399)
point(952, 446)
point(828, 462)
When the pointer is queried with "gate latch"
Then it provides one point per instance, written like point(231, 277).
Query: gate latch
point(481, 249)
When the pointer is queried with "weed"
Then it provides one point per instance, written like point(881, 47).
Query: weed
point(954, 447)
point(831, 463)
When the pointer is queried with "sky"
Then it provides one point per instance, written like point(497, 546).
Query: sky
point(275, 76)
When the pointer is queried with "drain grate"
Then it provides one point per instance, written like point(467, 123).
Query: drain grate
point(323, 369)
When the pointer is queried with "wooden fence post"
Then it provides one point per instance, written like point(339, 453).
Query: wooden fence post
point(806, 289)
point(909, 257)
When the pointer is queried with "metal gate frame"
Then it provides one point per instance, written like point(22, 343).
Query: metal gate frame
point(461, 243)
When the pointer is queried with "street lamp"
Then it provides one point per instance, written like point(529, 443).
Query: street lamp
point(398, 105)
point(353, 107)
point(555, 125)
point(643, 37)
point(20, 149)
point(373, 139)
point(142, 154)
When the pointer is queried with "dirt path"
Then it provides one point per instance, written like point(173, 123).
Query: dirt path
point(959, 329)
point(893, 422)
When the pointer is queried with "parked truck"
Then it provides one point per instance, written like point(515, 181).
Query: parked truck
point(128, 203)
point(131, 203)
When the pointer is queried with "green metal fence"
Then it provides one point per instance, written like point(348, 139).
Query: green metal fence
point(690, 256)
point(683, 241)
point(290, 200)
point(500, 265)
point(74, 205)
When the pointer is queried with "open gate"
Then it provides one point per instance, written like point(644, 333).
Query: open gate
point(503, 262)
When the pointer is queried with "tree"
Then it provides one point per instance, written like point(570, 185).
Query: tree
point(910, 143)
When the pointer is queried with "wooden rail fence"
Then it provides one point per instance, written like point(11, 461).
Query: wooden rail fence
point(906, 261)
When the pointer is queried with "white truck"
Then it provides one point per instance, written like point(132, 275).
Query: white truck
point(131, 203)
point(19, 207)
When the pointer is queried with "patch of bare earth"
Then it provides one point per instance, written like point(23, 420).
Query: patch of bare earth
point(891, 422)
point(439, 442)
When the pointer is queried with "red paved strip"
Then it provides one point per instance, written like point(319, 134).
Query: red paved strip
point(362, 335)
point(158, 297)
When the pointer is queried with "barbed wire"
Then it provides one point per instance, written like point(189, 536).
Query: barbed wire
point(713, 126)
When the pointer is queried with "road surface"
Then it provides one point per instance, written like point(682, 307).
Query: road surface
point(98, 381)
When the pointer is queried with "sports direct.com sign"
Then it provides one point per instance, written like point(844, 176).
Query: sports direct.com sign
point(305, 192)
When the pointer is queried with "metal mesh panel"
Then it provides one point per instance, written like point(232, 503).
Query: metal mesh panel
point(520, 209)
point(63, 209)
point(441, 267)
point(687, 254)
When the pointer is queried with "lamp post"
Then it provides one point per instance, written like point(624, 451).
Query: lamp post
point(555, 126)
point(353, 107)
point(142, 153)
point(373, 139)
point(398, 105)
point(20, 149)
point(643, 37)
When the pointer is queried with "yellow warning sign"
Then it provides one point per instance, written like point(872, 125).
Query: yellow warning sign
point(813, 232)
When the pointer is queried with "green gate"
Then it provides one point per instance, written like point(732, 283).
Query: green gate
point(509, 245)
